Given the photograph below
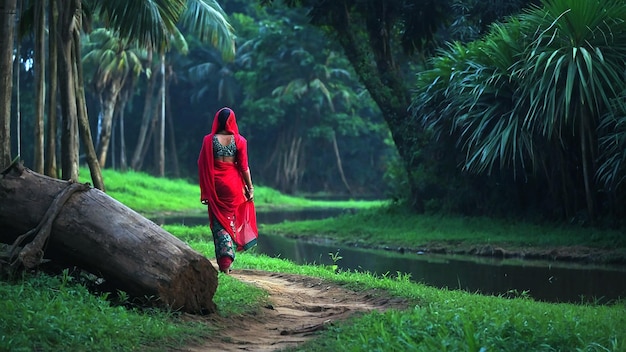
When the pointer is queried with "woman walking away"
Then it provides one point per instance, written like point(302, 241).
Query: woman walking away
point(226, 187)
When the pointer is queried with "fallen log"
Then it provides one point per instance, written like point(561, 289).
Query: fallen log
point(42, 218)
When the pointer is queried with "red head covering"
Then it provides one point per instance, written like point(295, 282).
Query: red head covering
point(231, 122)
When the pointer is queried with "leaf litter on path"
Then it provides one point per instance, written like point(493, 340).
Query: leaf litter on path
point(299, 306)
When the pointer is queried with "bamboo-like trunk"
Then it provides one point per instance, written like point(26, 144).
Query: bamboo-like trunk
point(69, 130)
point(7, 25)
point(161, 144)
point(339, 164)
point(40, 91)
point(83, 120)
point(137, 161)
point(108, 102)
point(51, 153)
point(169, 119)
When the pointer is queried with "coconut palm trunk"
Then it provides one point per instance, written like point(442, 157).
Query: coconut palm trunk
point(51, 154)
point(8, 9)
point(161, 159)
point(146, 118)
point(16, 70)
point(83, 119)
point(339, 163)
point(289, 168)
point(40, 91)
point(121, 111)
point(108, 102)
point(69, 129)
point(173, 152)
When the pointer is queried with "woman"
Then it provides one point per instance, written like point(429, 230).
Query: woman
point(226, 187)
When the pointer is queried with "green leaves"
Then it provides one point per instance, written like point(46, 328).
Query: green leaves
point(541, 96)
point(574, 57)
point(208, 21)
point(112, 54)
point(153, 23)
point(531, 82)
point(149, 22)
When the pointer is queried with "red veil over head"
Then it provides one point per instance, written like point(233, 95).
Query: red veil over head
point(231, 122)
point(222, 185)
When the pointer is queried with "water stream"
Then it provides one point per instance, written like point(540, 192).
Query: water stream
point(549, 281)
point(541, 280)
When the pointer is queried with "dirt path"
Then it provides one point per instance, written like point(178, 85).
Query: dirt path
point(299, 306)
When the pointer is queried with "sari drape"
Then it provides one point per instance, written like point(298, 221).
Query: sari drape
point(222, 186)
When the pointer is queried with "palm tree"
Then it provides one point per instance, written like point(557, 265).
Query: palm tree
point(205, 19)
point(213, 77)
point(375, 35)
point(68, 40)
point(612, 170)
point(125, 97)
point(151, 24)
point(305, 95)
point(117, 63)
point(136, 159)
point(532, 95)
point(574, 72)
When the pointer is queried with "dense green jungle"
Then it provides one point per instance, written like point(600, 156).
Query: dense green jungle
point(511, 109)
point(498, 122)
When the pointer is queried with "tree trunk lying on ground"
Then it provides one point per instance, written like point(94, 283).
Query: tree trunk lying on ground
point(42, 218)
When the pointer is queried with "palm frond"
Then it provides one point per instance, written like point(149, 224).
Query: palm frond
point(207, 19)
point(149, 22)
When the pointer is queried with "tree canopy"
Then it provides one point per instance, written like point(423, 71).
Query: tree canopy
point(427, 102)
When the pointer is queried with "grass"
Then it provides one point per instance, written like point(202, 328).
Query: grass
point(152, 195)
point(393, 226)
point(456, 322)
point(368, 227)
point(44, 313)
point(447, 320)
point(58, 313)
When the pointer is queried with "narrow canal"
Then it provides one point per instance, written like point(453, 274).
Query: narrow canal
point(549, 281)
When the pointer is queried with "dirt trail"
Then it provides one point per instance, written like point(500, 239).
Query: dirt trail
point(299, 306)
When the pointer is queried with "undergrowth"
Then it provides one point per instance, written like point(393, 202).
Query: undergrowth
point(55, 313)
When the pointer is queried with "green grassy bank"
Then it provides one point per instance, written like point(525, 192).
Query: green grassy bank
point(376, 223)
point(57, 313)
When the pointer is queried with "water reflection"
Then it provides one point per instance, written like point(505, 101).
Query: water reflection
point(542, 280)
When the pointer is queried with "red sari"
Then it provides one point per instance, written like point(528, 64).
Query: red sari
point(222, 186)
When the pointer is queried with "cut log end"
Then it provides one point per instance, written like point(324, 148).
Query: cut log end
point(192, 289)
